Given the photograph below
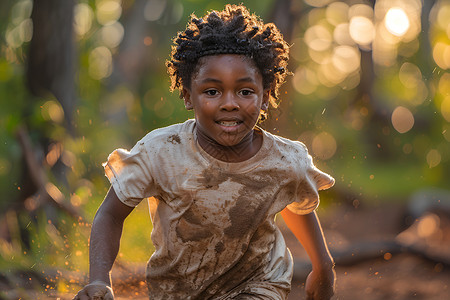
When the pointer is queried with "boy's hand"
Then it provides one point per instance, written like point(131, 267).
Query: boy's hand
point(97, 290)
point(320, 285)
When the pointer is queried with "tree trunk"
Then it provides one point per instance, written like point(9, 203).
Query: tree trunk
point(51, 54)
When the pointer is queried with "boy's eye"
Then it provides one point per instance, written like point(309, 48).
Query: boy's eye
point(246, 92)
point(211, 92)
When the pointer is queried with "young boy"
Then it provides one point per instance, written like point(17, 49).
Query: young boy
point(218, 181)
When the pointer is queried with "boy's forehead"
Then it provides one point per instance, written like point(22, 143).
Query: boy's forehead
point(222, 61)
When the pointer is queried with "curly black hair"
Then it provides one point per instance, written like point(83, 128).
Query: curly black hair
point(231, 31)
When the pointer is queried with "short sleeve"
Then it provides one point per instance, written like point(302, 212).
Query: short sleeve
point(130, 175)
point(311, 181)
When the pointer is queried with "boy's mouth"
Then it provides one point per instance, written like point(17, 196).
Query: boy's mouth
point(229, 123)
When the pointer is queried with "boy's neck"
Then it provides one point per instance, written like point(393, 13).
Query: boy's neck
point(246, 149)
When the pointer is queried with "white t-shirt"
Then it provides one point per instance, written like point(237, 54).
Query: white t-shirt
point(213, 222)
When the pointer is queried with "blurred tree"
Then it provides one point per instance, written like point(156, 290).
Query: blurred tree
point(51, 55)
point(50, 76)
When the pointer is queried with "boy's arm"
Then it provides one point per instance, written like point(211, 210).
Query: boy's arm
point(104, 245)
point(307, 229)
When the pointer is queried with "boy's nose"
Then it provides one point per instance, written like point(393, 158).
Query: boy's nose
point(229, 102)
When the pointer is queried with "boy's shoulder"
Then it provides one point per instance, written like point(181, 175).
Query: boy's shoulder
point(172, 134)
point(285, 144)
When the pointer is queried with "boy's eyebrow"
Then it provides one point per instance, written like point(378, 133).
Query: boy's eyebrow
point(207, 80)
point(245, 79)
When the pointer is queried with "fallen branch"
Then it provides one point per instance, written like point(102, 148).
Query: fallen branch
point(47, 191)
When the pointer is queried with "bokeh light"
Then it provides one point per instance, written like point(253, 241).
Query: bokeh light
point(433, 158)
point(362, 30)
point(108, 11)
point(111, 35)
point(100, 63)
point(83, 17)
point(318, 38)
point(443, 15)
point(409, 75)
point(154, 9)
point(441, 55)
point(402, 119)
point(324, 145)
point(318, 3)
point(305, 80)
point(396, 21)
point(337, 13)
point(346, 59)
point(341, 35)
point(444, 84)
point(428, 225)
point(163, 108)
point(52, 111)
point(445, 108)
point(20, 34)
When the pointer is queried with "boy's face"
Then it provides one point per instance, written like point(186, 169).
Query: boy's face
point(227, 96)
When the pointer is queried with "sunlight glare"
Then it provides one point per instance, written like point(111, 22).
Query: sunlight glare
point(396, 21)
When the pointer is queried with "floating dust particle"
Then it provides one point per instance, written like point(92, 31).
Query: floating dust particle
point(387, 256)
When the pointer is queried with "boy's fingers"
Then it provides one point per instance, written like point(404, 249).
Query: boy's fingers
point(95, 291)
point(108, 296)
point(80, 296)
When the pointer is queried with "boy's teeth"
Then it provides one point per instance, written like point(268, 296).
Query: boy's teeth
point(228, 123)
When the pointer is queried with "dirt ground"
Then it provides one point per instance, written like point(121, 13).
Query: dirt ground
point(388, 276)
point(391, 276)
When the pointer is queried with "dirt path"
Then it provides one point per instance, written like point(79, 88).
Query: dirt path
point(396, 277)
point(402, 276)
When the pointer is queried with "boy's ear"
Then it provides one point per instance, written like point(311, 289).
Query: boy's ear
point(265, 102)
point(187, 99)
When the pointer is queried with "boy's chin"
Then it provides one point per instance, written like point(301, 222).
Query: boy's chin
point(229, 143)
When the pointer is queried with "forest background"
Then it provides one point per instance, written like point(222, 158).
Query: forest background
point(369, 95)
